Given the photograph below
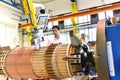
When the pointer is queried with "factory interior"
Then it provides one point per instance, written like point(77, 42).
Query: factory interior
point(87, 46)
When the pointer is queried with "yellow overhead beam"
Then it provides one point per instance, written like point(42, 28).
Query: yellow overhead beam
point(25, 6)
point(28, 30)
point(73, 19)
point(74, 10)
point(29, 9)
point(33, 14)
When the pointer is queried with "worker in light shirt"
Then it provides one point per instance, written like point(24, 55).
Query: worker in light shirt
point(57, 38)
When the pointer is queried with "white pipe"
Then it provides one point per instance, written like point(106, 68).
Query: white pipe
point(39, 5)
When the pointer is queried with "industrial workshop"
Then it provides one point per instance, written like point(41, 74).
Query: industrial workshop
point(59, 39)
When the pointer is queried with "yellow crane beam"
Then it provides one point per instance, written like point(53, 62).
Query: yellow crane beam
point(73, 19)
point(29, 9)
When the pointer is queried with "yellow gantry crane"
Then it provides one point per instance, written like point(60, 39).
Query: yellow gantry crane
point(73, 19)
point(29, 10)
point(35, 28)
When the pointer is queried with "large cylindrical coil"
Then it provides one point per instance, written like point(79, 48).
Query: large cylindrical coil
point(44, 62)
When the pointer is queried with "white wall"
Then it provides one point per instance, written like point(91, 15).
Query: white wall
point(8, 35)
point(8, 14)
point(9, 19)
point(64, 6)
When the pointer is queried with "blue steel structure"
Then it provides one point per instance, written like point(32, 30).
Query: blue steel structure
point(113, 50)
point(12, 3)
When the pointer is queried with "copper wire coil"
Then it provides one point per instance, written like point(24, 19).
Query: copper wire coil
point(38, 62)
point(27, 63)
point(1, 63)
point(48, 62)
point(10, 63)
point(18, 63)
point(44, 62)
point(60, 62)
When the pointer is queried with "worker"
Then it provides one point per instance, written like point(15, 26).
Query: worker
point(108, 21)
point(57, 38)
point(118, 19)
point(82, 38)
point(87, 59)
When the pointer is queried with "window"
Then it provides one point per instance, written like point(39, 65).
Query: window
point(101, 15)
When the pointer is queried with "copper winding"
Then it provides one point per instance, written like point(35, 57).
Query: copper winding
point(1, 63)
point(38, 62)
point(3, 51)
point(19, 63)
point(44, 62)
point(48, 57)
point(61, 65)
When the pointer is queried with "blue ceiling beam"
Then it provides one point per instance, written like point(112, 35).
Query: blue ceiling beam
point(13, 4)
